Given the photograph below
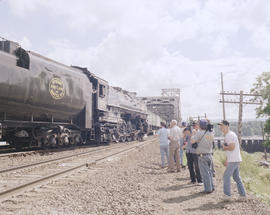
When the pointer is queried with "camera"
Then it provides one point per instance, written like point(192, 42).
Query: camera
point(194, 145)
point(209, 127)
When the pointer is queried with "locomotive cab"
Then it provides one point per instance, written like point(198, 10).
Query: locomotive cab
point(13, 48)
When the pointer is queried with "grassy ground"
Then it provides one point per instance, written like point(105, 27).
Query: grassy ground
point(256, 178)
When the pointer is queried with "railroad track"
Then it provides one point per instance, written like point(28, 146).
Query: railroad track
point(13, 153)
point(6, 149)
point(31, 177)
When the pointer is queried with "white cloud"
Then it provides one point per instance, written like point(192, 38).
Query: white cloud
point(134, 54)
point(261, 38)
point(25, 43)
point(220, 44)
point(147, 72)
point(22, 7)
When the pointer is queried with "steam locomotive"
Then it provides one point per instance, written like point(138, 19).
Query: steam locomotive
point(45, 103)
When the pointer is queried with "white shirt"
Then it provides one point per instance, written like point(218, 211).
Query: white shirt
point(175, 133)
point(233, 156)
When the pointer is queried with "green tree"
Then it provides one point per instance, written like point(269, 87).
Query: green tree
point(262, 91)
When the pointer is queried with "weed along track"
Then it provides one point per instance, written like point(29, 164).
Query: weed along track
point(19, 179)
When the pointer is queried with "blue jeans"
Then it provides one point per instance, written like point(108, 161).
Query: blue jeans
point(233, 170)
point(205, 164)
point(164, 150)
point(181, 153)
point(193, 167)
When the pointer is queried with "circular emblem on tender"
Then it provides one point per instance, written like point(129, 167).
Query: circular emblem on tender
point(57, 88)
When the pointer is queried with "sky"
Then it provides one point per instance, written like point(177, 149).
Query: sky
point(147, 45)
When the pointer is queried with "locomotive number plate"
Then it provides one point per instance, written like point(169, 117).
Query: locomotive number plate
point(57, 88)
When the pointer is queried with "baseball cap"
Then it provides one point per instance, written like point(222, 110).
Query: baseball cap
point(184, 123)
point(203, 123)
point(224, 122)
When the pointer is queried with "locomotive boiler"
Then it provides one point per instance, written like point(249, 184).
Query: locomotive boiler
point(46, 103)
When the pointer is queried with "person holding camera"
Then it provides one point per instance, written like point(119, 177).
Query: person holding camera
point(192, 158)
point(202, 141)
point(232, 148)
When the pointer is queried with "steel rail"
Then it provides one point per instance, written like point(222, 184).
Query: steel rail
point(52, 160)
point(16, 190)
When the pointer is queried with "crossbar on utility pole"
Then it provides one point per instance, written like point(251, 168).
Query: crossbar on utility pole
point(240, 102)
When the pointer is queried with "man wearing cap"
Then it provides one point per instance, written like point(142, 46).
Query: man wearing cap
point(204, 139)
point(232, 148)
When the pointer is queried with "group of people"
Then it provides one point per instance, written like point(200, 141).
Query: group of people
point(197, 140)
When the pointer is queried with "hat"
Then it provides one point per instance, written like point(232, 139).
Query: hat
point(224, 122)
point(184, 124)
point(187, 129)
point(203, 123)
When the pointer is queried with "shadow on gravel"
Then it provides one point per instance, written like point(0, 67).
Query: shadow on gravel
point(151, 167)
point(176, 187)
point(209, 206)
point(183, 179)
point(182, 198)
point(155, 173)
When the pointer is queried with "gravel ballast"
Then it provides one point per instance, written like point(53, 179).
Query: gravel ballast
point(132, 183)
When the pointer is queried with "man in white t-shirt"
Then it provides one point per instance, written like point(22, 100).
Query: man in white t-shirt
point(232, 148)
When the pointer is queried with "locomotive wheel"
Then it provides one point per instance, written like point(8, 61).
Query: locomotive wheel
point(122, 139)
point(115, 138)
point(72, 141)
point(52, 141)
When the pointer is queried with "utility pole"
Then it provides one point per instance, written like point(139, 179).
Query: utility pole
point(240, 116)
point(263, 134)
point(240, 102)
point(223, 103)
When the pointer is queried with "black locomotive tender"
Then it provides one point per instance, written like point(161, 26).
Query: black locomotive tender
point(45, 103)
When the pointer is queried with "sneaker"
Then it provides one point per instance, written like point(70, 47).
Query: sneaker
point(242, 199)
point(200, 184)
point(226, 198)
point(206, 192)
